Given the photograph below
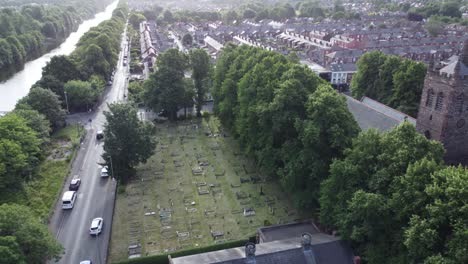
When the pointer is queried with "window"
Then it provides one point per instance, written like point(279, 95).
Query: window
point(427, 134)
point(459, 104)
point(439, 101)
point(430, 98)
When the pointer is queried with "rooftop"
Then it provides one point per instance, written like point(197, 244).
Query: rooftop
point(280, 232)
point(369, 117)
point(325, 249)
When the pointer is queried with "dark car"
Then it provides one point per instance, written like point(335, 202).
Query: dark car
point(100, 134)
point(75, 184)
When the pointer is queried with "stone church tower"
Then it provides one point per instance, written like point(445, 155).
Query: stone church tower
point(443, 110)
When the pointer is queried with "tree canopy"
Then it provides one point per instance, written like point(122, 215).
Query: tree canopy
point(289, 119)
point(201, 71)
point(45, 102)
point(127, 140)
point(23, 238)
point(390, 80)
point(375, 189)
point(165, 89)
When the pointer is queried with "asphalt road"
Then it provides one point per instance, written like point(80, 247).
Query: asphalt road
point(96, 195)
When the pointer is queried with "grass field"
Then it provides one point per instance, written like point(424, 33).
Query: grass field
point(193, 193)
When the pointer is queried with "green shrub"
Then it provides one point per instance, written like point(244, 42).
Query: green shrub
point(205, 114)
point(121, 189)
point(163, 259)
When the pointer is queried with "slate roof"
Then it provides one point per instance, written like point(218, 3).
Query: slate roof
point(343, 67)
point(384, 109)
point(326, 249)
point(368, 117)
point(450, 69)
point(287, 231)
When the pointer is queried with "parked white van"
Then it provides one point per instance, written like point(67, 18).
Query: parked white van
point(104, 172)
point(68, 199)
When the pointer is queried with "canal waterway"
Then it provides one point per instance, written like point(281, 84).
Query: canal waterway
point(19, 84)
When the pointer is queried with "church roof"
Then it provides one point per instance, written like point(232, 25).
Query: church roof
point(450, 69)
point(369, 115)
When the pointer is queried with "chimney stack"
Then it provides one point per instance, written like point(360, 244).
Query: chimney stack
point(250, 253)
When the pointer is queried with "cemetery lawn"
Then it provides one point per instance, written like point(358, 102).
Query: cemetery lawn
point(192, 193)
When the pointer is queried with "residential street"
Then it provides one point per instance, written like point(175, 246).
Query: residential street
point(95, 195)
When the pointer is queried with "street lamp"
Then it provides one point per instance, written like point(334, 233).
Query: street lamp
point(66, 101)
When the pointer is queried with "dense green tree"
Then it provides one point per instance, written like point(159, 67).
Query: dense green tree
point(13, 161)
point(30, 240)
point(14, 128)
point(363, 196)
point(136, 92)
point(290, 120)
point(434, 27)
point(385, 84)
point(187, 40)
point(127, 141)
point(365, 81)
point(201, 70)
point(95, 62)
point(164, 90)
point(324, 134)
point(49, 82)
point(408, 83)
point(230, 16)
point(11, 251)
point(311, 9)
point(62, 68)
point(6, 56)
point(168, 16)
point(439, 233)
point(36, 122)
point(135, 19)
point(18, 51)
point(80, 95)
point(390, 80)
point(45, 102)
point(49, 30)
point(249, 14)
point(450, 9)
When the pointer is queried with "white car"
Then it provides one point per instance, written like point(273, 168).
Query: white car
point(96, 226)
point(86, 262)
point(104, 172)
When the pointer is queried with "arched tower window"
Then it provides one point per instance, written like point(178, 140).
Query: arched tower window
point(427, 134)
point(439, 101)
point(459, 104)
point(430, 98)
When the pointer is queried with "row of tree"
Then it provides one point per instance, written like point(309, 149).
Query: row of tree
point(129, 141)
point(75, 82)
point(31, 30)
point(284, 115)
point(168, 89)
point(253, 10)
point(391, 80)
point(389, 194)
point(24, 134)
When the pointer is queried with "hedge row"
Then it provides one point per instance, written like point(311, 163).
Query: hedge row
point(163, 258)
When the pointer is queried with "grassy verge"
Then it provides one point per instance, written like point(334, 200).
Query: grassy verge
point(40, 193)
